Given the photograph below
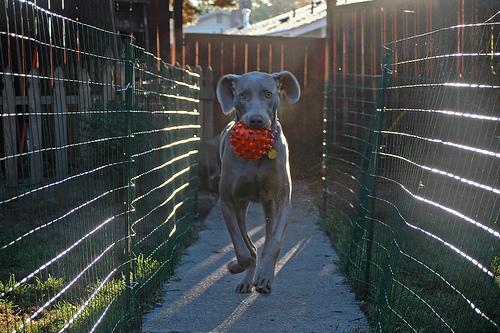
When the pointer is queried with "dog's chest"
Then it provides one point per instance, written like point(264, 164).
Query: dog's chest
point(256, 183)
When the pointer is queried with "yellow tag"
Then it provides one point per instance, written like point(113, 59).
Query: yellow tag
point(272, 153)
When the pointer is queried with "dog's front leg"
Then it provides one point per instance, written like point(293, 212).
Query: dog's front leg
point(246, 285)
point(243, 256)
point(276, 222)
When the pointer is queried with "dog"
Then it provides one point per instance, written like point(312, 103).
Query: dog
point(253, 98)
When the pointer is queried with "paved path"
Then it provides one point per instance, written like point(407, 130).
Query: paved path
point(309, 293)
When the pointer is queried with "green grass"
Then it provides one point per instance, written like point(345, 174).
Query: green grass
point(13, 313)
point(27, 298)
point(337, 227)
point(421, 292)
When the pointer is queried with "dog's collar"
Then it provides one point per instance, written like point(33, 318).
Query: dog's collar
point(253, 144)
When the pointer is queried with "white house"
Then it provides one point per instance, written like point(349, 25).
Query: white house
point(306, 21)
point(214, 22)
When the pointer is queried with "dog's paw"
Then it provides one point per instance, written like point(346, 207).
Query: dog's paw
point(265, 275)
point(234, 267)
point(244, 287)
point(263, 285)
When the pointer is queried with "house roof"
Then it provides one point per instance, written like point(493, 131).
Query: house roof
point(285, 22)
point(348, 2)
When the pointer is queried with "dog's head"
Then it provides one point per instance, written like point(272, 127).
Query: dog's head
point(255, 96)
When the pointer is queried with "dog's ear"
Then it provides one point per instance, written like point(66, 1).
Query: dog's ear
point(225, 92)
point(289, 85)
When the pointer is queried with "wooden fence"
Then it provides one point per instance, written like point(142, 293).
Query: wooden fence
point(358, 31)
point(305, 57)
point(27, 115)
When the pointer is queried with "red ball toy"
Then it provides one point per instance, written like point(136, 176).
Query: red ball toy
point(251, 143)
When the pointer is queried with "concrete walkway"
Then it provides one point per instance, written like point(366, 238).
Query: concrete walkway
point(309, 293)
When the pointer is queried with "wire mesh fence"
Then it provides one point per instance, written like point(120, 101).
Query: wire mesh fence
point(98, 162)
point(412, 181)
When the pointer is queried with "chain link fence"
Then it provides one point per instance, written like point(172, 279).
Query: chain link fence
point(412, 181)
point(98, 173)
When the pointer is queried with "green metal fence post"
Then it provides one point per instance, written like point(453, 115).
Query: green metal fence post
point(196, 158)
point(369, 186)
point(328, 132)
point(327, 143)
point(129, 105)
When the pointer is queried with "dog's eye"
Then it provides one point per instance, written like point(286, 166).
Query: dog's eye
point(243, 96)
point(268, 94)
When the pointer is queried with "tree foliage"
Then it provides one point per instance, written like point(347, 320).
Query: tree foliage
point(190, 12)
point(223, 3)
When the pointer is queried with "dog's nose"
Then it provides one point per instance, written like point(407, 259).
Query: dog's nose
point(256, 121)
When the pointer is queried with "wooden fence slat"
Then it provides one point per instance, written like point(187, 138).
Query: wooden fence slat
point(252, 55)
point(84, 100)
point(227, 57)
point(83, 89)
point(91, 66)
point(9, 129)
point(190, 51)
point(203, 54)
point(264, 56)
point(107, 80)
point(35, 127)
point(239, 63)
point(207, 97)
point(216, 59)
point(60, 124)
point(277, 56)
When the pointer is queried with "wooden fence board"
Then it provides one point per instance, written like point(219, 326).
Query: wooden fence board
point(9, 129)
point(240, 57)
point(60, 124)
point(35, 127)
point(108, 80)
point(264, 57)
point(251, 49)
point(215, 57)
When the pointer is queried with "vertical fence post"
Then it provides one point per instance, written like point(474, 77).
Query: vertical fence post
point(368, 190)
point(83, 89)
point(60, 124)
point(9, 129)
point(35, 126)
point(84, 102)
point(328, 134)
point(195, 160)
point(328, 131)
point(129, 105)
point(108, 78)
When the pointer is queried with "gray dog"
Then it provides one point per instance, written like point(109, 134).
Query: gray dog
point(254, 99)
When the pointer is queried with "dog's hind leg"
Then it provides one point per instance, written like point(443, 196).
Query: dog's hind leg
point(244, 257)
point(245, 286)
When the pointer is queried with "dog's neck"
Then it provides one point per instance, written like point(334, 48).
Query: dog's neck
point(276, 127)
